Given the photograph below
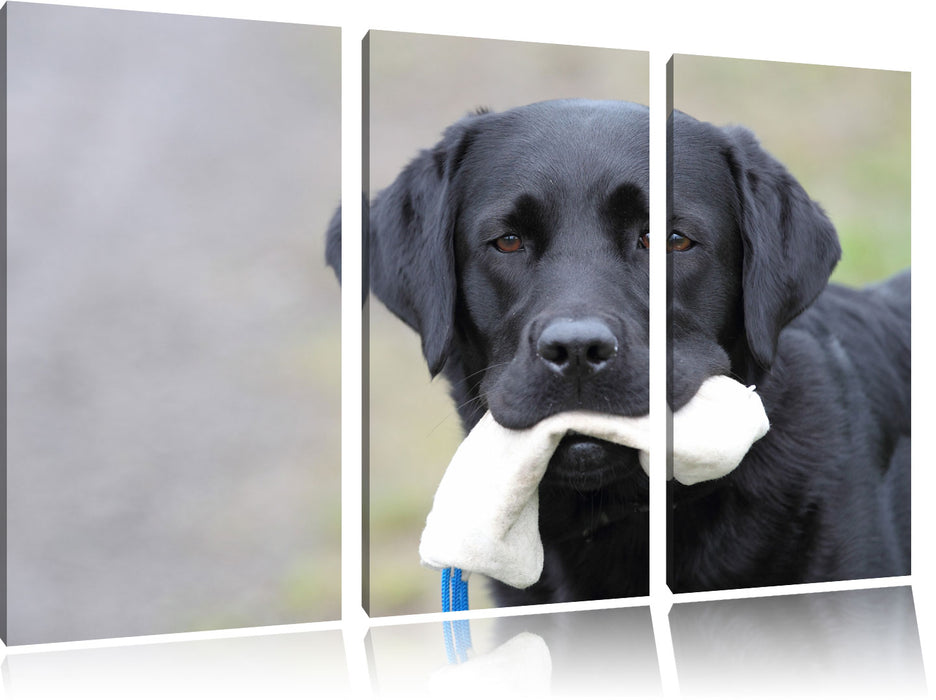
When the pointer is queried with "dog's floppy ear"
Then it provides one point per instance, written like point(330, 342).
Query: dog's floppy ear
point(333, 243)
point(790, 246)
point(411, 247)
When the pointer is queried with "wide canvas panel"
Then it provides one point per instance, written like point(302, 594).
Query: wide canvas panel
point(172, 350)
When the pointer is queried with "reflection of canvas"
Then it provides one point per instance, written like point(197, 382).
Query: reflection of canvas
point(849, 642)
point(594, 652)
point(172, 334)
point(865, 641)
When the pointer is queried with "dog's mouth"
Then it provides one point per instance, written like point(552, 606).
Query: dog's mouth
point(585, 463)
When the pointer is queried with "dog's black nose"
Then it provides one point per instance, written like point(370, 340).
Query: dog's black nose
point(579, 346)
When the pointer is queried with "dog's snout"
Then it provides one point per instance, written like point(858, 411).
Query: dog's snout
point(576, 346)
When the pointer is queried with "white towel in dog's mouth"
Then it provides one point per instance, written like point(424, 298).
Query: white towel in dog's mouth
point(484, 516)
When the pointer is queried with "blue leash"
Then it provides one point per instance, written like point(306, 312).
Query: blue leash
point(455, 599)
point(454, 591)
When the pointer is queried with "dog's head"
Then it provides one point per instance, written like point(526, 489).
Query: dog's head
point(517, 249)
point(513, 247)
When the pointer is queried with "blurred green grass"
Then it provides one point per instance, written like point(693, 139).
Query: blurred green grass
point(844, 133)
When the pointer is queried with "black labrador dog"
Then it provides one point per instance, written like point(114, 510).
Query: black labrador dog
point(517, 248)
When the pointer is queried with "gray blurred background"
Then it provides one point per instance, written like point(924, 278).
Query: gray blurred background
point(419, 84)
point(173, 335)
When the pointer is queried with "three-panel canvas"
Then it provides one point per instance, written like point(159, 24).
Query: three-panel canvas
point(616, 349)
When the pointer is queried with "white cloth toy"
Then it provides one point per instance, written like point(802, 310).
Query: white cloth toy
point(485, 514)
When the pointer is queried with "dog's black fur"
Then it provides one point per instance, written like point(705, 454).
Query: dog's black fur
point(517, 249)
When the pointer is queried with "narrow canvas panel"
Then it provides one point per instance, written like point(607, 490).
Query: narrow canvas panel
point(416, 87)
point(172, 354)
point(781, 177)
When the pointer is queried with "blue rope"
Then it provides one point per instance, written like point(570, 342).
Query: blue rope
point(446, 590)
point(457, 633)
point(454, 591)
point(459, 591)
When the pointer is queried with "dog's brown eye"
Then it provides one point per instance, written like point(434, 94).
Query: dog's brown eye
point(509, 243)
point(678, 242)
point(644, 240)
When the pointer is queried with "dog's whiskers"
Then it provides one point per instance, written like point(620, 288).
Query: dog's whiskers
point(464, 380)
